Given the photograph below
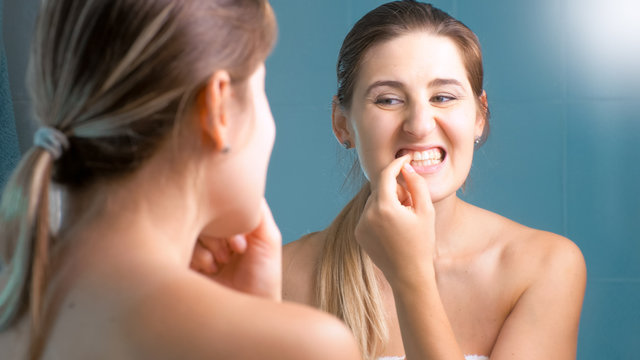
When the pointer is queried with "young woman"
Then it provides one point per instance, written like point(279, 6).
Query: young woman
point(411, 268)
point(156, 128)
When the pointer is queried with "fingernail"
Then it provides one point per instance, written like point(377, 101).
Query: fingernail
point(409, 168)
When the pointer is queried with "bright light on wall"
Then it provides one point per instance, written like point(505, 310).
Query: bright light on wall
point(607, 35)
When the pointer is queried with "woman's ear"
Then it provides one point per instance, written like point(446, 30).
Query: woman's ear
point(340, 125)
point(213, 104)
point(481, 119)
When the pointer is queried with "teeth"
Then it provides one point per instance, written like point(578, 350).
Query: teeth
point(428, 155)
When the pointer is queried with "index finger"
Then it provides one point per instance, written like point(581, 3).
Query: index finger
point(388, 183)
point(417, 188)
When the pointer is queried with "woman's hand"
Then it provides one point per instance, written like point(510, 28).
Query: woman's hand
point(397, 230)
point(397, 226)
point(250, 263)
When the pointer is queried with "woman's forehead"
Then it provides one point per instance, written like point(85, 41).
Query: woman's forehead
point(415, 56)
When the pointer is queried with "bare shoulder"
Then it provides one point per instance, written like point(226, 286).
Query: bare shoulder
point(534, 255)
point(300, 259)
point(309, 245)
point(192, 317)
point(541, 251)
point(544, 277)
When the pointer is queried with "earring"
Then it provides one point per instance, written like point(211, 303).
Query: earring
point(476, 140)
point(346, 144)
point(225, 149)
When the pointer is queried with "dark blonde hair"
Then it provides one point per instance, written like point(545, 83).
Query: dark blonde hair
point(346, 284)
point(116, 77)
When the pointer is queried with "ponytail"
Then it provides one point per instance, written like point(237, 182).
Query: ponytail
point(346, 284)
point(24, 241)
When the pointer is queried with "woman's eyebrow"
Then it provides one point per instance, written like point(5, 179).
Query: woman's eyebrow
point(441, 82)
point(399, 85)
point(390, 83)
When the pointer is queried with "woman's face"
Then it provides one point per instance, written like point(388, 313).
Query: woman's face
point(412, 96)
point(260, 138)
point(240, 178)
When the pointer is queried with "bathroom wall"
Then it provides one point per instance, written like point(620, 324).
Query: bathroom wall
point(9, 152)
point(17, 27)
point(563, 86)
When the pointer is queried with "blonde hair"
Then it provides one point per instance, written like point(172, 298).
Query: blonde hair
point(117, 78)
point(346, 285)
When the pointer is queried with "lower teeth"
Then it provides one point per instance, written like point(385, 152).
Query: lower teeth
point(425, 162)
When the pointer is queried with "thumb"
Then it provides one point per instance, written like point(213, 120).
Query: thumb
point(267, 230)
point(418, 189)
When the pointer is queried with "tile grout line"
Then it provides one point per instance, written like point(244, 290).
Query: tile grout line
point(565, 126)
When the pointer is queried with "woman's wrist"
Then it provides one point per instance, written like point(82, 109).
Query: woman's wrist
point(412, 278)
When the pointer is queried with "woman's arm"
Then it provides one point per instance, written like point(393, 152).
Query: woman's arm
point(239, 315)
point(544, 322)
point(398, 235)
point(299, 261)
point(250, 263)
point(191, 317)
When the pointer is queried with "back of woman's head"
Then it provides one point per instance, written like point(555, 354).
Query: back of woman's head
point(114, 78)
point(115, 75)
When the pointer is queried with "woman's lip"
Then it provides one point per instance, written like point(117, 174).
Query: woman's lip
point(404, 151)
point(424, 169)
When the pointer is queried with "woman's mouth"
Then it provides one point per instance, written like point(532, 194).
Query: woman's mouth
point(424, 159)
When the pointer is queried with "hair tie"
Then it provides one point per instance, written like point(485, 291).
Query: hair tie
point(52, 140)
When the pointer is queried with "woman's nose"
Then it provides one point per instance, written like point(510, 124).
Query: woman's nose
point(420, 121)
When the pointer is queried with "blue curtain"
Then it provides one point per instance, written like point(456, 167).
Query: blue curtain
point(9, 150)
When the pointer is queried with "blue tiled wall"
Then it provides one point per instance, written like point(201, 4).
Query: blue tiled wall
point(563, 81)
point(9, 152)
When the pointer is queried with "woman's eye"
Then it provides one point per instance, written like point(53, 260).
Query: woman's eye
point(442, 98)
point(388, 101)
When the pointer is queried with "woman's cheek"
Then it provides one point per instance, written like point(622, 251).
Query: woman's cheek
point(373, 144)
point(372, 163)
point(365, 165)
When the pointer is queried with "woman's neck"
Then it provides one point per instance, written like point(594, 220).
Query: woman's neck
point(151, 212)
point(450, 221)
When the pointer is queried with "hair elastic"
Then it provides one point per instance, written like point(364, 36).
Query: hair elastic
point(52, 140)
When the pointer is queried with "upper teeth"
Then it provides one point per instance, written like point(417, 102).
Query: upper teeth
point(431, 154)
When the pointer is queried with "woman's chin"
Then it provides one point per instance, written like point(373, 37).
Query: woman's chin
point(233, 223)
